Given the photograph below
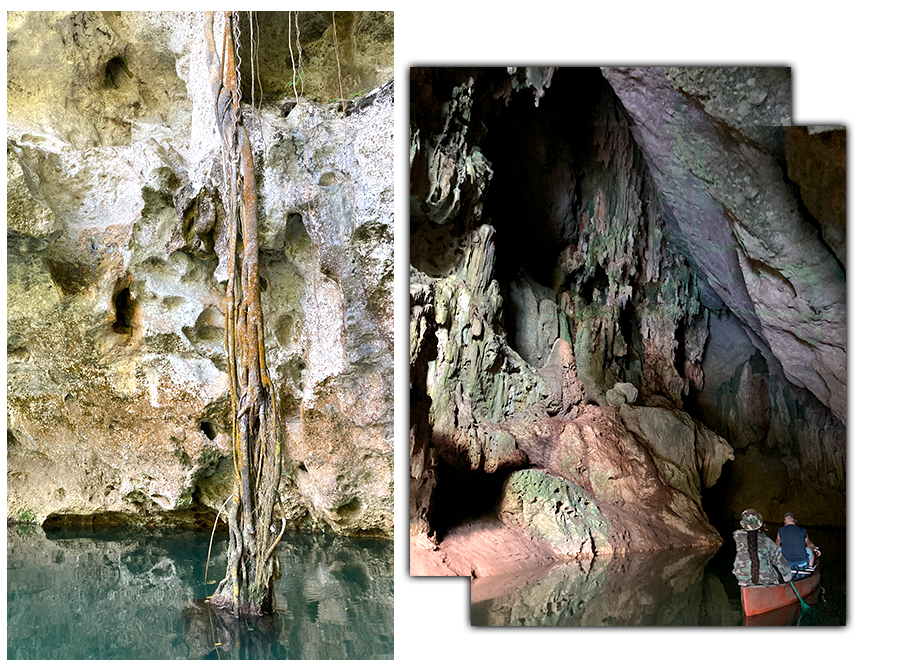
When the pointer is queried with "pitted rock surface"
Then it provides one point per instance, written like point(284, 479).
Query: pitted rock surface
point(118, 395)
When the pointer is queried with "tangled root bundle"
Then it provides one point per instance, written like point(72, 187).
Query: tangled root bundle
point(248, 587)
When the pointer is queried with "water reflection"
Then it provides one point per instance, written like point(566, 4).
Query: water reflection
point(671, 588)
point(643, 589)
point(142, 595)
point(214, 633)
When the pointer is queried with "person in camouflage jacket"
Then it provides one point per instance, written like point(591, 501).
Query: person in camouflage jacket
point(758, 560)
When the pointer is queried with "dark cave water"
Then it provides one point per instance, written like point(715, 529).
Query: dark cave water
point(676, 588)
point(140, 594)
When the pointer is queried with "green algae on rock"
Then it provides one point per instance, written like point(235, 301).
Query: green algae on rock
point(555, 511)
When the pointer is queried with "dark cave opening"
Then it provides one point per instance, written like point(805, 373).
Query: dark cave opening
point(116, 73)
point(272, 59)
point(125, 311)
point(714, 502)
point(66, 526)
point(463, 495)
point(597, 283)
point(538, 155)
point(209, 429)
point(435, 249)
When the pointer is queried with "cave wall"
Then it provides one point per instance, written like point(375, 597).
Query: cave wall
point(655, 223)
point(117, 392)
point(741, 204)
point(735, 213)
point(305, 44)
point(532, 304)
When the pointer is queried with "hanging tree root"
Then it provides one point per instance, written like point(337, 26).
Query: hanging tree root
point(248, 587)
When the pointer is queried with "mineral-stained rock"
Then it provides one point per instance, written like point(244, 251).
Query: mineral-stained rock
point(116, 261)
point(628, 390)
point(552, 510)
point(534, 323)
point(450, 165)
point(739, 224)
point(561, 374)
point(476, 380)
point(648, 499)
point(422, 459)
point(615, 398)
point(817, 163)
point(365, 47)
point(689, 454)
point(90, 79)
point(26, 214)
point(755, 99)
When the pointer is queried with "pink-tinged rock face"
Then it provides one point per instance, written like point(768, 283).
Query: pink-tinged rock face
point(741, 225)
point(635, 472)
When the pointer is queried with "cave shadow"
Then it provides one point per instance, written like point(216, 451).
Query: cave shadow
point(462, 496)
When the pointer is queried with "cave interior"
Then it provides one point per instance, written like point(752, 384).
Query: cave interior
point(549, 155)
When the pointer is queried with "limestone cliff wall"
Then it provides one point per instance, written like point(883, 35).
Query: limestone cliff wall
point(117, 392)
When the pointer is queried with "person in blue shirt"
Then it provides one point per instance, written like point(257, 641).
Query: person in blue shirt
point(796, 547)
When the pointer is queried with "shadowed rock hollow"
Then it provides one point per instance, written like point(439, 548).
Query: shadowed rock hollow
point(630, 281)
point(118, 403)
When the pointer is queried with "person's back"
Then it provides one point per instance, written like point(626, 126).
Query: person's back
point(758, 561)
point(795, 544)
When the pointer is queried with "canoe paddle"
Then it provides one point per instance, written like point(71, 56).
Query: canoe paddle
point(803, 605)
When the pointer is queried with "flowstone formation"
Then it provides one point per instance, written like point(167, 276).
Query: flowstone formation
point(617, 282)
point(118, 392)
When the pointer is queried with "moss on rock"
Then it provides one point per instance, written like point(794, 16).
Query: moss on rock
point(554, 511)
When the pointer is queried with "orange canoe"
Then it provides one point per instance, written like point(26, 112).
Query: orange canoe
point(760, 599)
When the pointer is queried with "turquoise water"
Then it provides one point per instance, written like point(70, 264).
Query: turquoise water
point(140, 594)
point(674, 588)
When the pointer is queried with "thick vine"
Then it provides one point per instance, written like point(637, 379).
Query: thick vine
point(248, 587)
